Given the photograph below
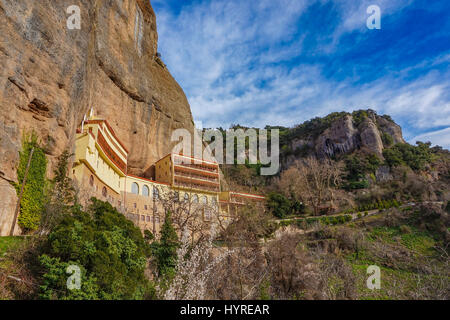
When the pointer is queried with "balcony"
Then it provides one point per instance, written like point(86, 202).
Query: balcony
point(195, 186)
point(191, 176)
point(190, 168)
point(195, 163)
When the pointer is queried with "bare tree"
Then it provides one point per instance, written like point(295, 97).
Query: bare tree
point(192, 216)
point(313, 180)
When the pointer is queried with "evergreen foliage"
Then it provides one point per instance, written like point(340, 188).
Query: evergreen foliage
point(32, 203)
point(165, 250)
point(108, 248)
point(416, 157)
point(281, 206)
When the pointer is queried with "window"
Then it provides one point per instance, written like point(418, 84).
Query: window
point(91, 180)
point(104, 192)
point(204, 200)
point(155, 193)
point(207, 215)
point(176, 196)
point(186, 197)
point(195, 198)
point(145, 191)
point(142, 218)
point(145, 207)
point(134, 188)
point(135, 205)
point(148, 218)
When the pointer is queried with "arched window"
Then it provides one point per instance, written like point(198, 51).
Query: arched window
point(195, 198)
point(176, 196)
point(186, 197)
point(145, 191)
point(155, 193)
point(91, 180)
point(134, 188)
point(104, 192)
point(204, 200)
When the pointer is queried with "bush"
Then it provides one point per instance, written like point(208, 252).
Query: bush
point(32, 203)
point(416, 157)
point(404, 229)
point(110, 251)
point(359, 215)
point(278, 204)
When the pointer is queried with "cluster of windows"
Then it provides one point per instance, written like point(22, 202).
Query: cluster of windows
point(145, 190)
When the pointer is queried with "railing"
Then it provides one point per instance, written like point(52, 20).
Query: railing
point(110, 153)
point(195, 166)
point(196, 176)
point(196, 186)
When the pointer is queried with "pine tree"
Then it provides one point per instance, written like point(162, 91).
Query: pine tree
point(166, 248)
point(62, 196)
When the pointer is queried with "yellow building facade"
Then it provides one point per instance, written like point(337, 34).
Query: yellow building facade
point(100, 170)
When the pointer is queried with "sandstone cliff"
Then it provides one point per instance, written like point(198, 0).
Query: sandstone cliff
point(346, 133)
point(51, 76)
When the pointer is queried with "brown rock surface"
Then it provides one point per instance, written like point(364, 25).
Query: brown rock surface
point(51, 76)
point(340, 138)
point(371, 137)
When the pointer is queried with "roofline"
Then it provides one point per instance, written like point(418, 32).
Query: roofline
point(110, 129)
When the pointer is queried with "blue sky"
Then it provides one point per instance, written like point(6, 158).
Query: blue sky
point(281, 62)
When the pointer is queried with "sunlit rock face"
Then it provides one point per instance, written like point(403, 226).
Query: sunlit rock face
point(51, 76)
point(340, 138)
point(343, 136)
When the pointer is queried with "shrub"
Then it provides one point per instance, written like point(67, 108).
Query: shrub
point(416, 157)
point(110, 251)
point(280, 206)
point(32, 203)
point(359, 215)
point(405, 229)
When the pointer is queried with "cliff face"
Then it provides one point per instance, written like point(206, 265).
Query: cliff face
point(344, 136)
point(51, 76)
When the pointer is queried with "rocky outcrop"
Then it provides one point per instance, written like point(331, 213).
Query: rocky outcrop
point(344, 136)
point(340, 138)
point(51, 76)
point(390, 127)
point(371, 137)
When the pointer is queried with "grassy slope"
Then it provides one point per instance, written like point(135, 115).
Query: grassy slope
point(7, 243)
point(400, 279)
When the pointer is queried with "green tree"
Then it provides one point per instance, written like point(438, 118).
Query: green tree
point(165, 250)
point(279, 205)
point(108, 248)
point(62, 195)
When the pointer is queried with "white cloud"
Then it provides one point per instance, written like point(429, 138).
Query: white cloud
point(226, 56)
point(439, 137)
